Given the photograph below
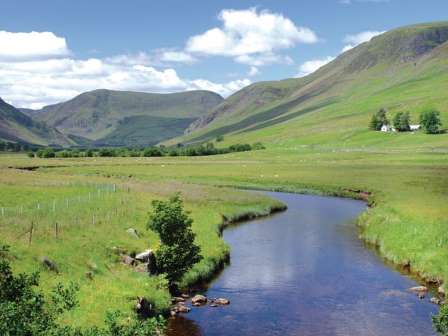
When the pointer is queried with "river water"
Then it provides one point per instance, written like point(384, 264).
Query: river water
point(305, 272)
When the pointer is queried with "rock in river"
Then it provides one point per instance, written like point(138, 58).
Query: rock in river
point(199, 300)
point(221, 301)
point(418, 289)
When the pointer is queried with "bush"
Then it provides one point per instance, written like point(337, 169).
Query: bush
point(25, 311)
point(219, 138)
point(30, 154)
point(46, 153)
point(431, 122)
point(440, 322)
point(258, 146)
point(177, 253)
point(152, 151)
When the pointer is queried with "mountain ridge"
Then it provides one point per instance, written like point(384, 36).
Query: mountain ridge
point(395, 57)
point(100, 115)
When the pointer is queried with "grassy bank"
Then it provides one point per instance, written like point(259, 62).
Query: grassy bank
point(408, 222)
point(92, 216)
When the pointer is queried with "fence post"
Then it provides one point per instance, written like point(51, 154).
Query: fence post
point(31, 233)
point(56, 229)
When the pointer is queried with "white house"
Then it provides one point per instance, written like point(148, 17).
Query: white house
point(414, 127)
point(387, 128)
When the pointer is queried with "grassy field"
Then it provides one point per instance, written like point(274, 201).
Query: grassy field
point(408, 222)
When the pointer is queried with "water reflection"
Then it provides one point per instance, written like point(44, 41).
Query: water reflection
point(305, 272)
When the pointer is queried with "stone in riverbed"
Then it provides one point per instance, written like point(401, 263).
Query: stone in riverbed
point(185, 296)
point(177, 299)
point(435, 301)
point(180, 308)
point(418, 289)
point(441, 290)
point(221, 301)
point(199, 299)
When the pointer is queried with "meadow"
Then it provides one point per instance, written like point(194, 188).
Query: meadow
point(408, 219)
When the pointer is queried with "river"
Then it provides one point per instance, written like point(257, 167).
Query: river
point(305, 272)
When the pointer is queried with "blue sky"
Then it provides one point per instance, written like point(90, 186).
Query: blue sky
point(172, 45)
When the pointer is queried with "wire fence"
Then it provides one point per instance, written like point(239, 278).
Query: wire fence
point(95, 205)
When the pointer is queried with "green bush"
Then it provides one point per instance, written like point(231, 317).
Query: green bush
point(25, 311)
point(440, 321)
point(178, 252)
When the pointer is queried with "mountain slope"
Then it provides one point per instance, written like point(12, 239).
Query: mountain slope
point(17, 127)
point(403, 70)
point(112, 117)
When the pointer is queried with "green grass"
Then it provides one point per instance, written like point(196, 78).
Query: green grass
point(95, 222)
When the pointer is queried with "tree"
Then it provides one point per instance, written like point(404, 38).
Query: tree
point(440, 321)
point(375, 124)
point(402, 121)
point(431, 122)
point(378, 120)
point(178, 252)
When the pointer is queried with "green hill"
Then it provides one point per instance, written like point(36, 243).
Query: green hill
point(16, 126)
point(127, 118)
point(402, 70)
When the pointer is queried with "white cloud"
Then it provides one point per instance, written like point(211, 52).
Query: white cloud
point(177, 57)
point(224, 89)
point(356, 39)
point(33, 45)
point(311, 66)
point(46, 77)
point(263, 59)
point(247, 34)
point(253, 71)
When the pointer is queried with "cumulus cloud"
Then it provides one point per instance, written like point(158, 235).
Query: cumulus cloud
point(225, 89)
point(45, 77)
point(253, 71)
point(356, 39)
point(177, 57)
point(311, 66)
point(33, 45)
point(251, 37)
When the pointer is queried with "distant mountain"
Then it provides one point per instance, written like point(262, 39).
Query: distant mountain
point(127, 118)
point(403, 70)
point(16, 126)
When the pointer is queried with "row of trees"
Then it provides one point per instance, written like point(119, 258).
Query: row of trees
point(429, 121)
point(200, 150)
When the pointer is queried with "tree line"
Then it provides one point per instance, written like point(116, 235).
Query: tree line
point(430, 121)
point(153, 151)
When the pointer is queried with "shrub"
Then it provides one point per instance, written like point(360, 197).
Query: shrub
point(177, 253)
point(25, 311)
point(30, 154)
point(152, 151)
point(430, 121)
point(440, 321)
point(219, 138)
point(258, 146)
